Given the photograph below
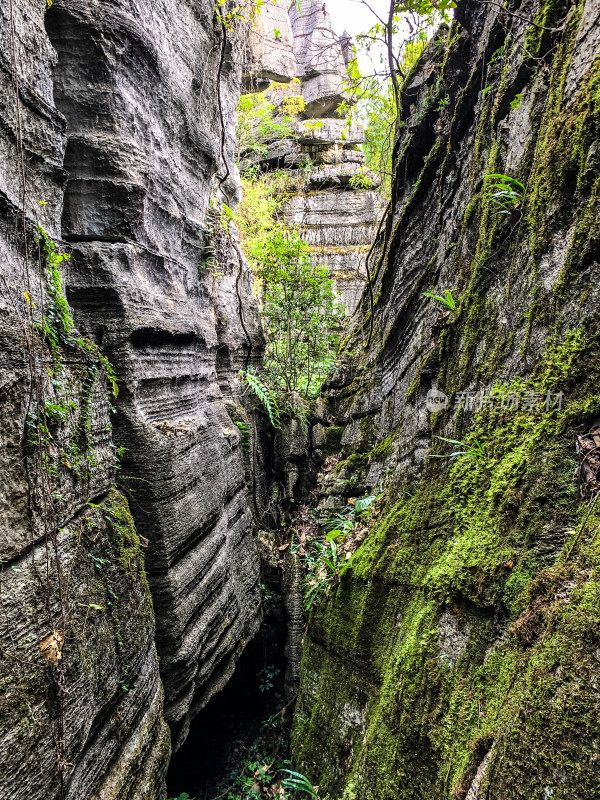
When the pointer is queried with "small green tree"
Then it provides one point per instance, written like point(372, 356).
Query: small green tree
point(301, 316)
point(257, 214)
point(259, 121)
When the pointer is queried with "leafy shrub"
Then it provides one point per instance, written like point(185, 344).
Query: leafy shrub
point(323, 560)
point(301, 316)
point(504, 192)
point(257, 215)
point(267, 677)
point(258, 124)
point(360, 181)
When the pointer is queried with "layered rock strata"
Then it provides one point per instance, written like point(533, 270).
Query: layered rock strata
point(337, 209)
point(109, 113)
point(458, 657)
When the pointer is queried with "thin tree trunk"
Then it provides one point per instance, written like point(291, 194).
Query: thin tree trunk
point(390, 51)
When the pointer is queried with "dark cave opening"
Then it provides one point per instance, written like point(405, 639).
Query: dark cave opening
point(237, 726)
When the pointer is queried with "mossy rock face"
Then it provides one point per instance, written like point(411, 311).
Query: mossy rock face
point(98, 645)
point(459, 655)
point(333, 439)
point(465, 617)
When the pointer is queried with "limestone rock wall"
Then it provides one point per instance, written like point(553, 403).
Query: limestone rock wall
point(319, 58)
point(135, 214)
point(270, 54)
point(111, 139)
point(338, 208)
point(458, 657)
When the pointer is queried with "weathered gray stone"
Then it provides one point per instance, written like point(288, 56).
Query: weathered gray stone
point(339, 155)
point(328, 131)
point(337, 236)
point(423, 623)
point(347, 265)
point(319, 57)
point(174, 332)
point(317, 47)
point(334, 208)
point(271, 45)
point(280, 152)
point(339, 227)
point(115, 738)
point(323, 95)
point(119, 117)
point(73, 722)
point(341, 175)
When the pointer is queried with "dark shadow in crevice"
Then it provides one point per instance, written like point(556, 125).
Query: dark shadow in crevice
point(229, 731)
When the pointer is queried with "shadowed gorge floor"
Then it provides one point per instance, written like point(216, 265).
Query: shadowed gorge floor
point(233, 728)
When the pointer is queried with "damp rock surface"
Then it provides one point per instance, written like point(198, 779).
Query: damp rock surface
point(456, 658)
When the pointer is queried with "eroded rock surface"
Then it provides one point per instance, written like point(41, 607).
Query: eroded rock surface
point(463, 633)
point(319, 57)
point(135, 213)
point(270, 54)
point(111, 138)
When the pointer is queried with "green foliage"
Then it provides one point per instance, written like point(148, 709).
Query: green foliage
point(245, 431)
point(57, 330)
point(372, 97)
point(299, 783)
point(263, 393)
point(475, 450)
point(226, 216)
point(57, 324)
point(258, 122)
point(299, 307)
point(267, 678)
point(360, 181)
point(425, 8)
point(322, 558)
point(323, 562)
point(504, 192)
point(183, 796)
point(373, 103)
point(516, 101)
point(257, 215)
point(364, 503)
point(447, 301)
point(269, 777)
point(228, 17)
point(313, 124)
point(301, 316)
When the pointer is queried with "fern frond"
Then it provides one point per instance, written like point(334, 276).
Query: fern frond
point(264, 394)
